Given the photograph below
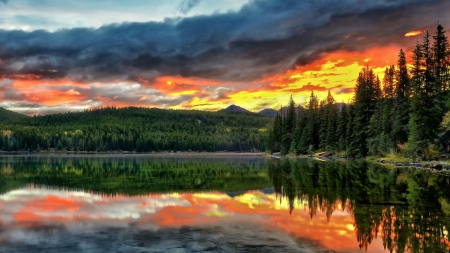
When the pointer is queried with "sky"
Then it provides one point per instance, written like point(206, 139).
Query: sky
point(59, 56)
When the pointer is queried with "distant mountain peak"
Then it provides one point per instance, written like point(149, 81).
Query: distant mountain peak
point(233, 108)
point(268, 112)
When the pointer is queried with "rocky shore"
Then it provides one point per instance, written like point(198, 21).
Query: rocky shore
point(434, 165)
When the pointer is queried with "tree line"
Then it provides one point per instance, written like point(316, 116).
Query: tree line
point(406, 111)
point(137, 130)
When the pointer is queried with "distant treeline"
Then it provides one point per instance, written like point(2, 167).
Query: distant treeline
point(137, 129)
point(403, 112)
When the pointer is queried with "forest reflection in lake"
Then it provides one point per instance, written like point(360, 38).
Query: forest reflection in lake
point(346, 206)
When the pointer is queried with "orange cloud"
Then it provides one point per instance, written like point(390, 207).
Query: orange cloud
point(54, 97)
point(307, 88)
point(413, 33)
point(176, 84)
point(330, 225)
point(336, 71)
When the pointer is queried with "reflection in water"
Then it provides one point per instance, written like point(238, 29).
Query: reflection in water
point(136, 174)
point(408, 208)
point(342, 206)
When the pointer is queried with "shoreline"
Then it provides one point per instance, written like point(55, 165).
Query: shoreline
point(435, 165)
point(129, 153)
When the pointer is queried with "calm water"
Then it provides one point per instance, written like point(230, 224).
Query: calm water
point(218, 204)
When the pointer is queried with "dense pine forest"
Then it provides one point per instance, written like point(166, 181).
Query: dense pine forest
point(405, 112)
point(136, 130)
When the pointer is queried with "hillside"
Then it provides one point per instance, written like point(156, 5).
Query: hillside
point(7, 116)
point(268, 112)
point(139, 129)
point(234, 108)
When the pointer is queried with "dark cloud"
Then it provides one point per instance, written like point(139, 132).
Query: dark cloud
point(6, 83)
point(187, 5)
point(4, 1)
point(7, 92)
point(265, 37)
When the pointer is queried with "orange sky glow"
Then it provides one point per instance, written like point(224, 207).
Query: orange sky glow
point(336, 71)
point(29, 206)
point(256, 54)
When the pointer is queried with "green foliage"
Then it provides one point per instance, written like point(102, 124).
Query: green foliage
point(140, 130)
point(407, 111)
point(7, 116)
point(288, 127)
point(446, 121)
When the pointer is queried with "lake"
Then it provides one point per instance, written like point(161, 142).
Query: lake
point(226, 203)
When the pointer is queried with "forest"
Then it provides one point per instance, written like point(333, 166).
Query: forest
point(136, 129)
point(405, 112)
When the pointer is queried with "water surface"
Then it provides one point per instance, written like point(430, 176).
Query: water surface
point(218, 204)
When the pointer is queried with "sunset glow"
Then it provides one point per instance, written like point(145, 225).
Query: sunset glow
point(413, 33)
point(184, 55)
point(39, 207)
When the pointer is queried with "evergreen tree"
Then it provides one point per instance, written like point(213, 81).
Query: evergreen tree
point(428, 66)
point(341, 131)
point(417, 72)
point(351, 142)
point(426, 113)
point(387, 115)
point(401, 102)
point(277, 132)
point(440, 51)
point(332, 113)
point(310, 132)
point(323, 124)
point(288, 127)
point(367, 93)
point(296, 145)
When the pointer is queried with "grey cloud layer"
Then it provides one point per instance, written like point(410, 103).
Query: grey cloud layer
point(263, 38)
point(187, 5)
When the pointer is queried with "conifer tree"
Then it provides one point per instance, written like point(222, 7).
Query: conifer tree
point(288, 127)
point(310, 132)
point(323, 124)
point(351, 145)
point(332, 113)
point(277, 133)
point(296, 146)
point(417, 72)
point(387, 115)
point(440, 51)
point(401, 102)
point(425, 114)
point(367, 92)
point(428, 66)
point(341, 131)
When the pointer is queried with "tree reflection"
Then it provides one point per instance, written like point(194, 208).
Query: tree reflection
point(407, 208)
point(134, 176)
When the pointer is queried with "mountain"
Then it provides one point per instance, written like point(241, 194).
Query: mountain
point(7, 116)
point(268, 112)
point(234, 108)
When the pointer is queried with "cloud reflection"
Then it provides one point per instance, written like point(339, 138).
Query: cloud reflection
point(30, 207)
